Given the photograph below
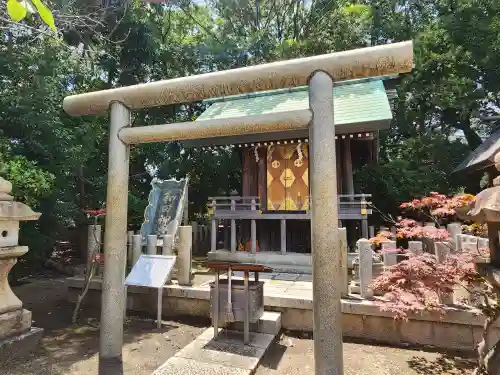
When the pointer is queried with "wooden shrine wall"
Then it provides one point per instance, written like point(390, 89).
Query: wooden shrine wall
point(287, 177)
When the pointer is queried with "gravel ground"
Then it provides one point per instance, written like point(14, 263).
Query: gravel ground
point(73, 349)
point(69, 349)
point(293, 355)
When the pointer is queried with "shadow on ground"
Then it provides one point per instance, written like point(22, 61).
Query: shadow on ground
point(274, 354)
point(73, 348)
point(444, 364)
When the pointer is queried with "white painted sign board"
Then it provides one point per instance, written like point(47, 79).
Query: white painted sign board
point(152, 271)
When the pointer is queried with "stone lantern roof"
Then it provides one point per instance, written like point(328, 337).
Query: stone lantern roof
point(11, 213)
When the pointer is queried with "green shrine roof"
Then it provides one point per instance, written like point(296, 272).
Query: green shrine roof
point(353, 103)
point(360, 106)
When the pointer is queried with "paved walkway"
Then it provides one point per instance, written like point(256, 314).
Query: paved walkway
point(225, 356)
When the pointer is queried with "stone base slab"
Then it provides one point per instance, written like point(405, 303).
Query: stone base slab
point(14, 323)
point(269, 322)
point(226, 354)
point(20, 345)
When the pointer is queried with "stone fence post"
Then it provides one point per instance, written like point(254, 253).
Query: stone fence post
point(343, 268)
point(196, 238)
point(365, 268)
point(454, 229)
point(184, 255)
point(136, 248)
point(168, 243)
point(442, 250)
point(416, 247)
point(151, 244)
point(390, 257)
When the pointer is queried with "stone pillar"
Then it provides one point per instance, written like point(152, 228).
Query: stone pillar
point(151, 244)
point(326, 255)
point(442, 250)
point(196, 237)
point(459, 243)
point(416, 247)
point(365, 268)
point(389, 253)
point(130, 255)
point(136, 248)
point(184, 255)
point(253, 230)
point(113, 290)
point(454, 229)
point(167, 246)
point(17, 336)
point(344, 270)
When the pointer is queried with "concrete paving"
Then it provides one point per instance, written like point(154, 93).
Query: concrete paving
point(224, 355)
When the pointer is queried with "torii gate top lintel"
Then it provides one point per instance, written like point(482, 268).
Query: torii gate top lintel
point(346, 65)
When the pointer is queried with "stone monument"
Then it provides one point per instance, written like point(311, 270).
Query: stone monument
point(17, 336)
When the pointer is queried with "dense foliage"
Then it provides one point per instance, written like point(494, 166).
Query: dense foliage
point(422, 283)
point(58, 164)
point(417, 285)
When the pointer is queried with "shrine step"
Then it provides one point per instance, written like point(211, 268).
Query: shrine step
point(269, 323)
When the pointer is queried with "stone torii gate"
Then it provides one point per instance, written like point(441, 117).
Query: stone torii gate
point(318, 72)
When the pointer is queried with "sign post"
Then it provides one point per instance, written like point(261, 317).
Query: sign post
point(152, 271)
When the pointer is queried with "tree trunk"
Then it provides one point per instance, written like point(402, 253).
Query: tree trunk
point(489, 354)
point(492, 360)
point(473, 139)
point(81, 226)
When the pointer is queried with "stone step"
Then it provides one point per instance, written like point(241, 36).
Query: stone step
point(270, 323)
point(225, 355)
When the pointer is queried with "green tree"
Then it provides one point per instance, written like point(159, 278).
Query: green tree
point(413, 167)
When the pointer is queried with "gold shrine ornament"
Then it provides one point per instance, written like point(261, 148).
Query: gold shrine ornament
point(275, 164)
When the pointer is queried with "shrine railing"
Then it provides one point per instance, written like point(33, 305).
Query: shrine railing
point(232, 208)
point(351, 207)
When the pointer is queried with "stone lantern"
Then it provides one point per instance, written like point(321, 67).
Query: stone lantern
point(16, 333)
point(486, 210)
